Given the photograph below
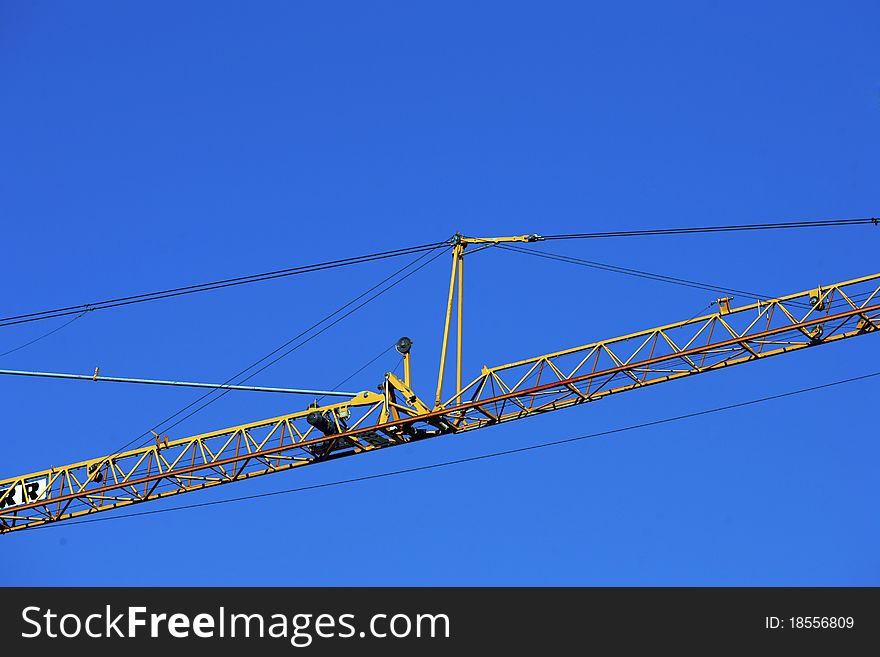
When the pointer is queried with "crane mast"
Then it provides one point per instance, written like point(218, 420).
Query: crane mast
point(396, 415)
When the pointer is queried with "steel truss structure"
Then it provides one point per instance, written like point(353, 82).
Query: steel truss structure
point(395, 414)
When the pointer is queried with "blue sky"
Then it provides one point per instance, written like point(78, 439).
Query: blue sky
point(151, 145)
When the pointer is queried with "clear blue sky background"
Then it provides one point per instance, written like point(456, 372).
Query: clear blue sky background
point(150, 145)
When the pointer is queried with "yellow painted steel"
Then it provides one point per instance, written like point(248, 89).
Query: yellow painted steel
point(456, 294)
point(498, 240)
point(396, 415)
point(407, 370)
point(460, 305)
point(443, 345)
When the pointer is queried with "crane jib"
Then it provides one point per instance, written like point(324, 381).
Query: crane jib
point(396, 415)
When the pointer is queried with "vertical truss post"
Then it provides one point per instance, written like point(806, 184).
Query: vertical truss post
point(403, 347)
point(460, 304)
point(457, 255)
point(456, 294)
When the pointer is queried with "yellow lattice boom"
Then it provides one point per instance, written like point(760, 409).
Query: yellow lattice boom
point(396, 415)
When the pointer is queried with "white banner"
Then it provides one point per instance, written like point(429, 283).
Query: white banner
point(29, 491)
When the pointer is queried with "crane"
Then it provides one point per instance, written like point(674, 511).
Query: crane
point(394, 414)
